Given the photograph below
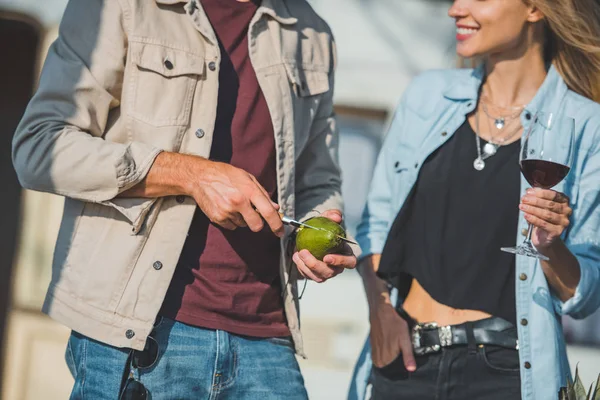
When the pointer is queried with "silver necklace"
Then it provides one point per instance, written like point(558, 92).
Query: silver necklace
point(479, 163)
point(501, 120)
point(489, 149)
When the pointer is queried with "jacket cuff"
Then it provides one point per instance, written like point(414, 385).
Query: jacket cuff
point(577, 306)
point(131, 169)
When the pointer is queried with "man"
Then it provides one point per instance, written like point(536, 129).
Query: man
point(177, 132)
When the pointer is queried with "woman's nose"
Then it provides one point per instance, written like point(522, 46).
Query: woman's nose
point(458, 9)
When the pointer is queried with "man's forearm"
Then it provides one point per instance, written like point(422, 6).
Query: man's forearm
point(170, 175)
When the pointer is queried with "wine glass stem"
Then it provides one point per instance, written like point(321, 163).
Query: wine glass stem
point(529, 233)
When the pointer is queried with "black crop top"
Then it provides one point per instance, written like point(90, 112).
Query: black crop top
point(450, 229)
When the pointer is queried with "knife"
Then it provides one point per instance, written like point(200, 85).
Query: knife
point(298, 224)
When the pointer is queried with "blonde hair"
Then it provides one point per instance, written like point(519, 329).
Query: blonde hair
point(573, 42)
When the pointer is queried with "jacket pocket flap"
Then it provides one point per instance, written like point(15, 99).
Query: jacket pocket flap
point(307, 81)
point(166, 61)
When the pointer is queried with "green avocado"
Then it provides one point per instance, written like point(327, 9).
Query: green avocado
point(322, 241)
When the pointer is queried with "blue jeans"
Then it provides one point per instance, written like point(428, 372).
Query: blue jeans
point(193, 363)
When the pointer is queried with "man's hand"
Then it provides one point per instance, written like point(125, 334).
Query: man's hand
point(232, 198)
point(332, 264)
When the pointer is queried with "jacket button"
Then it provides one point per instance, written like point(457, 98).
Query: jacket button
point(527, 365)
point(523, 276)
point(524, 231)
point(199, 133)
point(524, 322)
point(212, 65)
point(129, 334)
point(168, 64)
point(180, 199)
point(157, 265)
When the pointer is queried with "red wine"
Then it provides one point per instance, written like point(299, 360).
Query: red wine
point(543, 174)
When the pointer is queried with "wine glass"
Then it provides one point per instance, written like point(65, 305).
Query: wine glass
point(545, 158)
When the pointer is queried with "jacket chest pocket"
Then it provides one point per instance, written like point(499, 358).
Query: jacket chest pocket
point(162, 84)
point(307, 85)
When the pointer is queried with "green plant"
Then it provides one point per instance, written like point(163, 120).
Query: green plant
point(576, 390)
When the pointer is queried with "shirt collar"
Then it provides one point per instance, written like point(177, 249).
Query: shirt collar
point(549, 96)
point(277, 9)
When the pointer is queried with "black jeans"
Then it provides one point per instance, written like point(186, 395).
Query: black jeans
point(455, 373)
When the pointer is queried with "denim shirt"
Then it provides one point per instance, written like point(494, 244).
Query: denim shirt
point(434, 105)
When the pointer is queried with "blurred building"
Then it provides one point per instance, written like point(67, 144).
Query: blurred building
point(382, 44)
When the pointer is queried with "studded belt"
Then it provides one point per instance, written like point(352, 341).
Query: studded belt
point(431, 338)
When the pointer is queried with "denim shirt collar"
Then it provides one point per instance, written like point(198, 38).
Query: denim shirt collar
point(548, 98)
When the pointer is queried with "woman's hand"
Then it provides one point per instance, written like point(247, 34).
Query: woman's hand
point(390, 337)
point(549, 212)
point(332, 264)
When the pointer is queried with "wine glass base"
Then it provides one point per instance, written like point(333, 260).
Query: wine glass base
point(525, 250)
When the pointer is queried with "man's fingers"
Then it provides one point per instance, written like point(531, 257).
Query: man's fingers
point(227, 224)
point(304, 270)
point(265, 208)
point(264, 191)
point(318, 268)
point(336, 260)
point(334, 215)
point(252, 218)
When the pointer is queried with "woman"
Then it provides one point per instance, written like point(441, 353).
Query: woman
point(447, 194)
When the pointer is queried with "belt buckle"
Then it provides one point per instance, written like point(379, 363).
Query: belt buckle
point(444, 334)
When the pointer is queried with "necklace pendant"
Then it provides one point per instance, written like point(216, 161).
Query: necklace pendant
point(499, 122)
point(490, 149)
point(478, 164)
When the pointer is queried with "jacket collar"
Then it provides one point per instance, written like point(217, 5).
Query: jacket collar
point(276, 9)
point(548, 98)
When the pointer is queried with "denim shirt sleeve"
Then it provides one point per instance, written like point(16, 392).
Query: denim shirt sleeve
point(377, 214)
point(584, 241)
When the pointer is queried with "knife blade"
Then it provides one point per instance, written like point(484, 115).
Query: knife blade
point(298, 224)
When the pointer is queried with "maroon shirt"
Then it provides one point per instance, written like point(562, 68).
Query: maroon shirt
point(229, 280)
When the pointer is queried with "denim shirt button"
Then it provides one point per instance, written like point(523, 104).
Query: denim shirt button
point(444, 133)
point(416, 165)
point(527, 365)
point(523, 276)
point(524, 322)
point(527, 115)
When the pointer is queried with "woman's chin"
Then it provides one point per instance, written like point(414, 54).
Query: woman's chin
point(465, 52)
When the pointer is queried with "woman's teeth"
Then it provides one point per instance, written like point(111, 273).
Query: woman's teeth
point(465, 31)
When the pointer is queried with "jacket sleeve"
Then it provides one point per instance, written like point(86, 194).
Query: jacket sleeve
point(318, 175)
point(584, 241)
point(59, 145)
point(377, 215)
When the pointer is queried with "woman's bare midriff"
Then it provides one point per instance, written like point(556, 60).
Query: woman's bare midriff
point(423, 308)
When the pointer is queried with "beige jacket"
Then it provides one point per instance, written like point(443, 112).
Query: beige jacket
point(127, 79)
